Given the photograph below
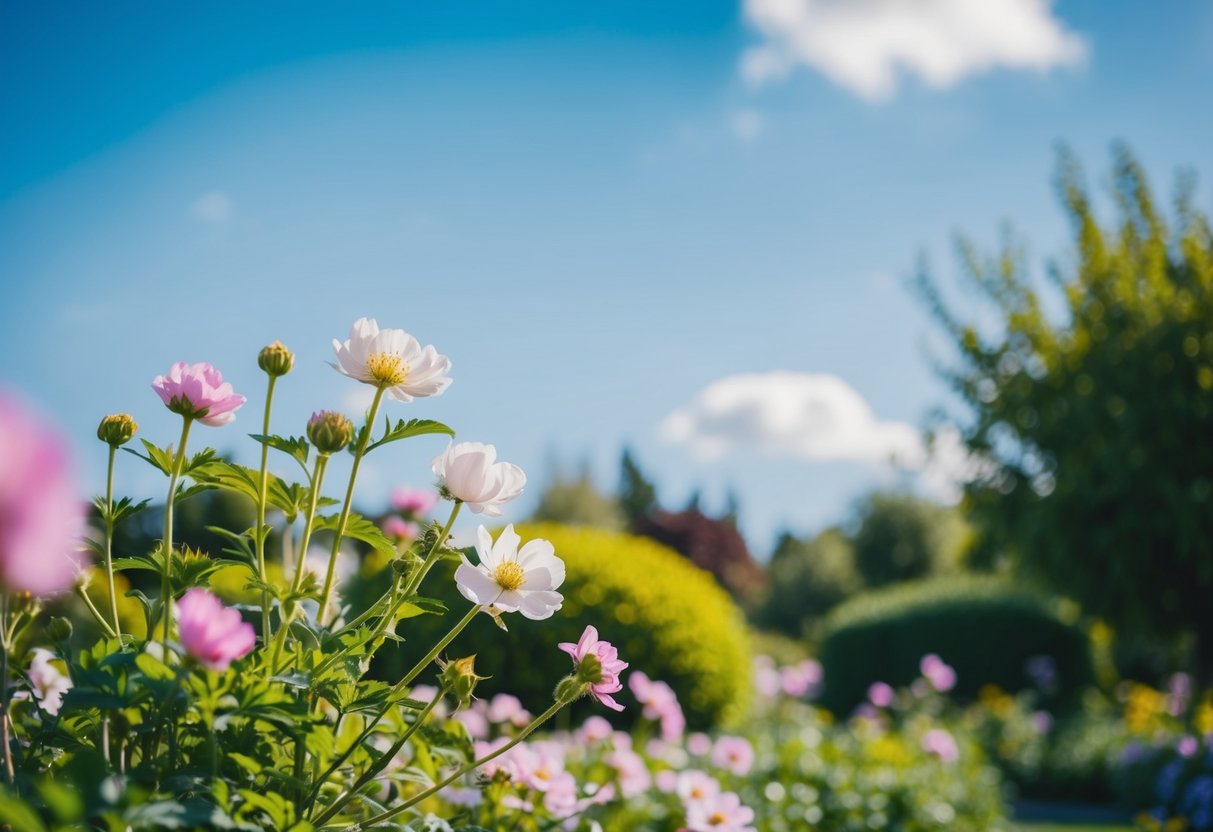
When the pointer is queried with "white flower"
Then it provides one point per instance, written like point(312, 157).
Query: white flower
point(47, 682)
point(469, 472)
point(512, 579)
point(391, 359)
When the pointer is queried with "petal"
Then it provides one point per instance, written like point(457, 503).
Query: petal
point(475, 585)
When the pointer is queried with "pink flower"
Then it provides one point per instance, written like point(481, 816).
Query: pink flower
point(802, 679)
point(699, 744)
point(213, 634)
point(505, 707)
point(40, 517)
point(594, 730)
point(660, 703)
point(733, 753)
point(416, 502)
point(880, 695)
point(941, 676)
point(633, 773)
point(198, 391)
point(721, 813)
point(400, 529)
point(695, 786)
point(940, 743)
point(474, 721)
point(603, 679)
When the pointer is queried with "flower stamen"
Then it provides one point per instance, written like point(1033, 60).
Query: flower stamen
point(509, 575)
point(387, 368)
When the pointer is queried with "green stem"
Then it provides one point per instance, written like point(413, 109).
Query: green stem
point(109, 539)
point(309, 523)
point(438, 648)
point(379, 765)
point(419, 575)
point(344, 519)
point(262, 486)
point(88, 602)
point(5, 737)
point(166, 588)
point(462, 770)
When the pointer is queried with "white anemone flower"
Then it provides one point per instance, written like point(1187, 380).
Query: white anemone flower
point(469, 472)
point(512, 579)
point(393, 360)
point(47, 681)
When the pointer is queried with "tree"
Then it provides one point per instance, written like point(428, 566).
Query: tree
point(578, 503)
point(1092, 427)
point(806, 579)
point(901, 537)
point(637, 494)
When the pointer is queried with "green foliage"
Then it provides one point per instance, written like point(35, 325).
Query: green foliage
point(578, 503)
point(983, 627)
point(637, 494)
point(667, 618)
point(805, 580)
point(1094, 423)
point(901, 537)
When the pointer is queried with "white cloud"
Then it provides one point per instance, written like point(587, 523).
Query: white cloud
point(865, 45)
point(213, 207)
point(815, 417)
point(747, 125)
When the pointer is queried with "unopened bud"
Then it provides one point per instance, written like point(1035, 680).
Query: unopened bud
point(329, 431)
point(59, 629)
point(459, 679)
point(117, 429)
point(276, 359)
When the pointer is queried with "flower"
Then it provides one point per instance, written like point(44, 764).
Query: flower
point(117, 429)
point(415, 502)
point(40, 517)
point(660, 703)
point(940, 743)
point(198, 391)
point(941, 676)
point(391, 360)
point(329, 431)
point(399, 529)
point(735, 754)
point(720, 813)
point(881, 695)
point(469, 472)
point(512, 579)
point(694, 786)
point(275, 359)
point(598, 666)
point(631, 771)
point(47, 682)
point(213, 634)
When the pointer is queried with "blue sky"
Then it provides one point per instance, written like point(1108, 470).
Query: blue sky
point(599, 211)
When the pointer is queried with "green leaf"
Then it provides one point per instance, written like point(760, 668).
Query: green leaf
point(421, 606)
point(358, 528)
point(120, 510)
point(296, 447)
point(160, 458)
point(405, 430)
point(19, 815)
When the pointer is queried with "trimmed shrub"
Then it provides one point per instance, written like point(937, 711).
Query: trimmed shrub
point(667, 617)
point(985, 628)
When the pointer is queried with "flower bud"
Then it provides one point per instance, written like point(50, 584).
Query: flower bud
point(276, 359)
point(59, 629)
point(570, 689)
point(329, 431)
point(589, 670)
point(459, 679)
point(117, 429)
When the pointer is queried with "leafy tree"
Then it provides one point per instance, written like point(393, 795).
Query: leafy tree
point(710, 543)
point(637, 494)
point(901, 537)
point(806, 579)
point(1093, 425)
point(578, 503)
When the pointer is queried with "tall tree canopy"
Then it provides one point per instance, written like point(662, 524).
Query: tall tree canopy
point(1092, 408)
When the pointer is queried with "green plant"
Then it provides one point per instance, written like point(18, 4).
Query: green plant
point(805, 580)
point(983, 627)
point(668, 617)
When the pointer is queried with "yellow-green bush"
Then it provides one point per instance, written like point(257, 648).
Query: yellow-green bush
point(667, 617)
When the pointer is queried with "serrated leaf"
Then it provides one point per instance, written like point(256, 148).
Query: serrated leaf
point(358, 528)
point(160, 458)
point(296, 447)
point(405, 430)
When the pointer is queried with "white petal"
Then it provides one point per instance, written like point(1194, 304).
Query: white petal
point(475, 585)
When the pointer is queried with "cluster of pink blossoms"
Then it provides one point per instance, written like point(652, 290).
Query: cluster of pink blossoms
point(799, 681)
point(660, 704)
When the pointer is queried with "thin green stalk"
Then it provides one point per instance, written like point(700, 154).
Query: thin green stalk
point(462, 770)
point(344, 518)
point(379, 765)
point(419, 575)
point(109, 539)
point(166, 584)
point(262, 487)
point(5, 737)
point(101, 622)
point(438, 648)
point(309, 523)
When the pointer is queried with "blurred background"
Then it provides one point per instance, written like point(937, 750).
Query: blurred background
point(885, 314)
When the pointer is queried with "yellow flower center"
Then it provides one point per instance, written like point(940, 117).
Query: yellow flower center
point(696, 793)
point(387, 368)
point(509, 575)
point(717, 819)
